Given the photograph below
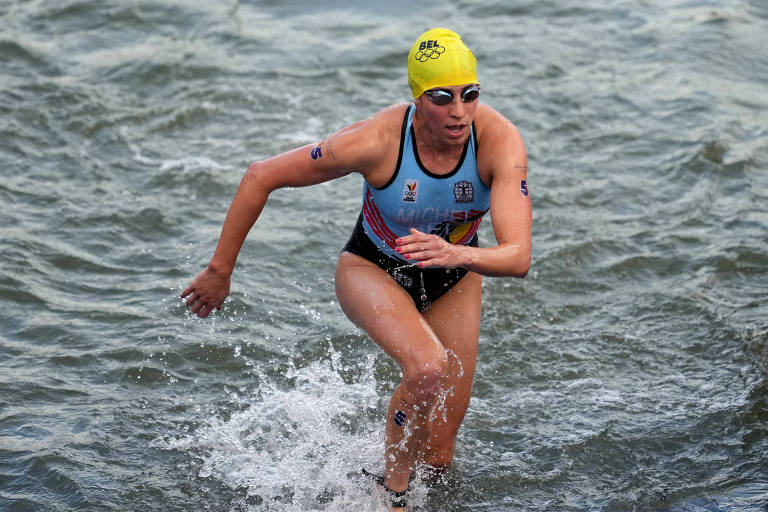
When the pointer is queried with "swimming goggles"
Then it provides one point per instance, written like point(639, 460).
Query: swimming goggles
point(444, 97)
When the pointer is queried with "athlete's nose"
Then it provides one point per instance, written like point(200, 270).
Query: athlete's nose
point(457, 107)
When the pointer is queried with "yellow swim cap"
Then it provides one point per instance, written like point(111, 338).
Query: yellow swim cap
point(439, 58)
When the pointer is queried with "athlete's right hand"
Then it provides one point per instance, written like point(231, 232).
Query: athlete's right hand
point(206, 292)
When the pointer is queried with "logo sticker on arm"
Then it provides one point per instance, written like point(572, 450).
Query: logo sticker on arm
point(400, 418)
point(524, 188)
point(317, 152)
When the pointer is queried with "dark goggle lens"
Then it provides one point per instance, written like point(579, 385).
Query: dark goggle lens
point(442, 97)
point(439, 97)
point(470, 94)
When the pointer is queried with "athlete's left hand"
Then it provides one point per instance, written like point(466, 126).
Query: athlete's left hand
point(431, 250)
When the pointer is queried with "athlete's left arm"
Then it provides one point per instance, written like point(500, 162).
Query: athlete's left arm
point(503, 152)
point(502, 158)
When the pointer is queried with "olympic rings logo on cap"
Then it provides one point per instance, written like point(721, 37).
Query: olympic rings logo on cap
point(429, 50)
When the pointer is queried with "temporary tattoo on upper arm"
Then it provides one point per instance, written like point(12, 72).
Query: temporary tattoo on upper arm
point(523, 183)
point(325, 146)
point(330, 149)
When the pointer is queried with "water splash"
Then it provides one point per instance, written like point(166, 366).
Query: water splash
point(295, 449)
point(444, 393)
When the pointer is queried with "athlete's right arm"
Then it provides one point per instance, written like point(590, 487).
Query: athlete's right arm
point(356, 148)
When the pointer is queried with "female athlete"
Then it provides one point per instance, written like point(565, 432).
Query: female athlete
point(410, 275)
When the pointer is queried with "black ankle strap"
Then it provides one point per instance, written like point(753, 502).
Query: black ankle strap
point(396, 498)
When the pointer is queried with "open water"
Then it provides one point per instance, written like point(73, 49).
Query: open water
point(627, 372)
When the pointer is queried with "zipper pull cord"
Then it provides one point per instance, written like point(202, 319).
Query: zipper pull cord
point(423, 290)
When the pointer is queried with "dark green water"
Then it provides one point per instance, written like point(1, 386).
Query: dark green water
point(627, 372)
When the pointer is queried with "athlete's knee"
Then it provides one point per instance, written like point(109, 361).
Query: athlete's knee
point(423, 381)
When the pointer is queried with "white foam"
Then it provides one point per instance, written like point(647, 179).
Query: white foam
point(298, 448)
point(190, 163)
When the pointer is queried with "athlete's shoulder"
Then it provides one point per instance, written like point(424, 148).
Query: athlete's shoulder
point(391, 117)
point(381, 126)
point(396, 109)
point(491, 121)
point(365, 144)
point(495, 131)
point(382, 129)
point(500, 145)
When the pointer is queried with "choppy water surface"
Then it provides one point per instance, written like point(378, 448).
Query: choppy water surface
point(627, 372)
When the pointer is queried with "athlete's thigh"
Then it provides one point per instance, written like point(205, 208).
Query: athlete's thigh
point(455, 319)
point(375, 302)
